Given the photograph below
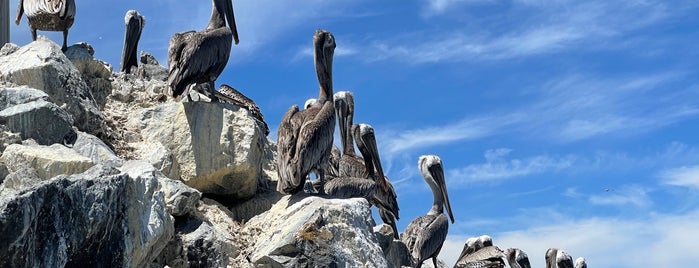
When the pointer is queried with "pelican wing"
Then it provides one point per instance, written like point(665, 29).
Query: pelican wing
point(352, 166)
point(484, 257)
point(62, 8)
point(287, 135)
point(426, 234)
point(349, 187)
point(316, 139)
point(230, 95)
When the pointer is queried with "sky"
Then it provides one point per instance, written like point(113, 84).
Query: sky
point(569, 124)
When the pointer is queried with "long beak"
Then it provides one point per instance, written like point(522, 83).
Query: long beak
point(340, 107)
point(370, 141)
point(437, 172)
point(230, 17)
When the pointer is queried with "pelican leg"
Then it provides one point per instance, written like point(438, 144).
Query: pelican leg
point(33, 33)
point(65, 40)
point(434, 261)
point(213, 92)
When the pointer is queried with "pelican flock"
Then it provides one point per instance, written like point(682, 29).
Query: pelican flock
point(200, 57)
point(48, 15)
point(305, 137)
point(134, 22)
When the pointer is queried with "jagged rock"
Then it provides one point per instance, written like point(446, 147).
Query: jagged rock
point(95, 149)
point(214, 147)
point(397, 254)
point(8, 137)
point(202, 239)
point(150, 68)
point(42, 65)
point(46, 161)
point(95, 73)
point(8, 49)
point(244, 211)
point(25, 111)
point(180, 198)
point(99, 218)
point(302, 231)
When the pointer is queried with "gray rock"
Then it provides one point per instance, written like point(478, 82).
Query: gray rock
point(150, 68)
point(95, 149)
point(397, 254)
point(27, 113)
point(301, 231)
point(216, 148)
point(42, 65)
point(203, 239)
point(8, 137)
point(46, 161)
point(95, 73)
point(8, 49)
point(93, 219)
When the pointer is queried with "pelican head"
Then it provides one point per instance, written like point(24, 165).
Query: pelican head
point(324, 48)
point(485, 240)
point(563, 259)
point(344, 112)
point(433, 172)
point(226, 7)
point(366, 142)
point(580, 263)
point(309, 102)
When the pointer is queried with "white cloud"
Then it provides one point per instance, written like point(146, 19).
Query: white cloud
point(604, 242)
point(498, 167)
point(682, 176)
point(627, 195)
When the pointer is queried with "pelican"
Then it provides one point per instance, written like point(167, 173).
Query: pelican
point(48, 15)
point(228, 94)
point(305, 138)
point(200, 57)
point(309, 103)
point(134, 26)
point(556, 258)
point(425, 235)
point(517, 258)
point(480, 252)
point(580, 263)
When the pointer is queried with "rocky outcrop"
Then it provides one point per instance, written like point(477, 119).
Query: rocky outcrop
point(213, 147)
point(98, 218)
point(27, 111)
point(42, 65)
point(46, 161)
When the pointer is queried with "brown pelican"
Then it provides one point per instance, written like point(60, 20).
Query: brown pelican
point(480, 252)
point(580, 263)
point(425, 235)
point(305, 138)
point(134, 26)
point(309, 103)
point(517, 258)
point(200, 57)
point(48, 15)
point(556, 258)
point(228, 94)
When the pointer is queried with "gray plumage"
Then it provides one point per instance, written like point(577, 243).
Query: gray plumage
point(480, 252)
point(517, 258)
point(580, 263)
point(134, 23)
point(563, 259)
point(305, 138)
point(228, 94)
point(350, 165)
point(48, 15)
point(425, 235)
point(551, 257)
point(200, 57)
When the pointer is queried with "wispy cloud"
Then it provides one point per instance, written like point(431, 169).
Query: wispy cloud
point(499, 167)
point(606, 242)
point(635, 195)
point(682, 176)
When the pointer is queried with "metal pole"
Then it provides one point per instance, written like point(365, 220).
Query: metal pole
point(4, 22)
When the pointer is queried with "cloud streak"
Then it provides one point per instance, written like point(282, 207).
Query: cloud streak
point(682, 176)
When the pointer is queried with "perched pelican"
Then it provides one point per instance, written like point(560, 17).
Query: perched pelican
point(480, 252)
point(134, 26)
point(517, 258)
point(305, 138)
point(200, 57)
point(425, 235)
point(556, 258)
point(309, 103)
point(580, 263)
point(48, 15)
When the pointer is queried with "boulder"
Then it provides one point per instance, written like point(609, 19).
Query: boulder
point(303, 231)
point(216, 148)
point(149, 68)
point(95, 73)
point(96, 219)
point(46, 161)
point(204, 238)
point(27, 112)
point(8, 137)
point(95, 149)
point(42, 65)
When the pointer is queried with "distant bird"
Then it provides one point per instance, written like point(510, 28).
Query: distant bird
point(228, 94)
point(134, 26)
point(425, 235)
point(480, 252)
point(556, 258)
point(200, 57)
point(517, 258)
point(48, 15)
point(580, 263)
point(305, 138)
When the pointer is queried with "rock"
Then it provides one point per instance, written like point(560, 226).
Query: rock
point(42, 65)
point(396, 252)
point(216, 148)
point(95, 149)
point(25, 111)
point(92, 219)
point(203, 239)
point(180, 198)
point(47, 161)
point(8, 49)
point(302, 231)
point(150, 68)
point(95, 73)
point(244, 211)
point(8, 137)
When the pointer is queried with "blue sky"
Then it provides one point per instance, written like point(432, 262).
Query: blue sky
point(568, 124)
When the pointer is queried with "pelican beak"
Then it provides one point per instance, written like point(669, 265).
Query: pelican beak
point(230, 17)
point(437, 172)
point(370, 141)
point(341, 114)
